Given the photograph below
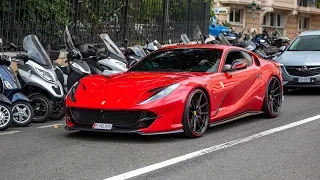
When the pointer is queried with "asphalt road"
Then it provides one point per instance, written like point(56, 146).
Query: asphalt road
point(54, 153)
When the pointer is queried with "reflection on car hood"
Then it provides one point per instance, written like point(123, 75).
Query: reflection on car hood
point(298, 58)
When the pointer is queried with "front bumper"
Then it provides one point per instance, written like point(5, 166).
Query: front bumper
point(121, 131)
point(294, 78)
point(161, 119)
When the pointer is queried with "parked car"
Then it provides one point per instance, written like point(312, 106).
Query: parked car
point(177, 89)
point(300, 61)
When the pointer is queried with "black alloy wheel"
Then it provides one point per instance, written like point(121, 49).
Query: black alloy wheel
point(196, 115)
point(273, 98)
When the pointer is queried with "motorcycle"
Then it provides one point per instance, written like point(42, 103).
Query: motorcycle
point(39, 81)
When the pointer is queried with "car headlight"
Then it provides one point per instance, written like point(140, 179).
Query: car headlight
point(7, 84)
point(73, 91)
point(161, 94)
point(45, 75)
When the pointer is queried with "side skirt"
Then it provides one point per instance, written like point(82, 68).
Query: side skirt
point(236, 117)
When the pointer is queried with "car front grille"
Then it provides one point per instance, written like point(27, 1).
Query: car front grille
point(303, 71)
point(119, 118)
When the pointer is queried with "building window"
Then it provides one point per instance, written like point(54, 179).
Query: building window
point(273, 20)
point(236, 16)
point(304, 23)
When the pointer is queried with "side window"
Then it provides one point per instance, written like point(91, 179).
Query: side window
point(232, 56)
point(247, 57)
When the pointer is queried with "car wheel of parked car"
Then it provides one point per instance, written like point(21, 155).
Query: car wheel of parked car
point(273, 98)
point(196, 114)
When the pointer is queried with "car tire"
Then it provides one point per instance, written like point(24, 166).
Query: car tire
point(197, 107)
point(17, 109)
point(40, 98)
point(5, 117)
point(273, 98)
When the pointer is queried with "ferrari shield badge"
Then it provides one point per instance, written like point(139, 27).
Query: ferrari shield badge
point(222, 85)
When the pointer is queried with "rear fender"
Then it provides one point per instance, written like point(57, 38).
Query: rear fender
point(5, 100)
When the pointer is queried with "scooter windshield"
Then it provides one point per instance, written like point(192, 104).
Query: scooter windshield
point(250, 45)
point(36, 51)
point(68, 39)
point(197, 34)
point(185, 39)
point(223, 40)
point(139, 51)
point(112, 47)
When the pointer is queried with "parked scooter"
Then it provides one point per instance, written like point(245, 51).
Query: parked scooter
point(78, 67)
point(22, 110)
point(110, 59)
point(5, 105)
point(139, 53)
point(39, 81)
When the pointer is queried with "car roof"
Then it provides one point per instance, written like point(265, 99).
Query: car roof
point(310, 33)
point(205, 46)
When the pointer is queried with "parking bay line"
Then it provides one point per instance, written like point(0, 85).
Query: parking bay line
point(52, 125)
point(9, 132)
point(202, 152)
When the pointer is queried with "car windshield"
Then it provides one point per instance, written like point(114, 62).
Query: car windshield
point(36, 52)
point(181, 60)
point(306, 43)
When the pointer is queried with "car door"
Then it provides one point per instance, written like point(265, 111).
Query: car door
point(241, 86)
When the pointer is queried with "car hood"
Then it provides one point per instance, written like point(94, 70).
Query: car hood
point(300, 58)
point(122, 90)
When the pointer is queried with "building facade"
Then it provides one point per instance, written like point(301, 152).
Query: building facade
point(290, 17)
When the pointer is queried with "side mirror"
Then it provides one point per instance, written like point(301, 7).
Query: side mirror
point(239, 65)
point(282, 48)
point(1, 42)
point(13, 46)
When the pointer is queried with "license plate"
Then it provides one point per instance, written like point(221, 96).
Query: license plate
point(304, 80)
point(103, 126)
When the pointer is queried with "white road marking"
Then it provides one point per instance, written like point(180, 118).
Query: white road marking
point(9, 132)
point(41, 127)
point(202, 152)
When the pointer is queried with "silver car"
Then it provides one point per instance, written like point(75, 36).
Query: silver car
point(301, 61)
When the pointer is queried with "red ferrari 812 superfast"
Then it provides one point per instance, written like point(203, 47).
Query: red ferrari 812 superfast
point(177, 89)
